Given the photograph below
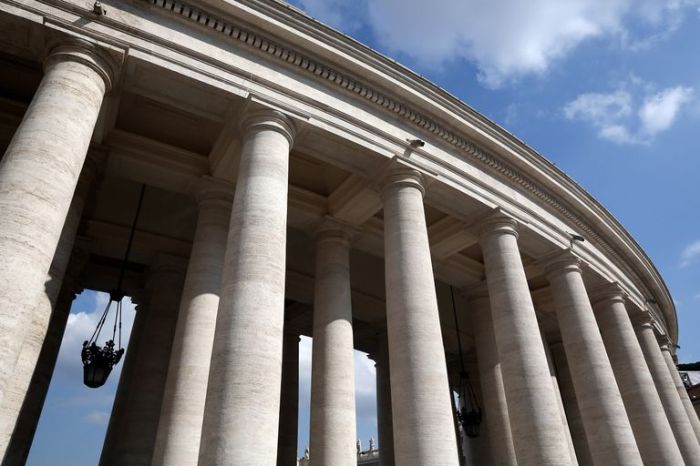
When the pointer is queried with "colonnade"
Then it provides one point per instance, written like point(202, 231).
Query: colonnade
point(204, 372)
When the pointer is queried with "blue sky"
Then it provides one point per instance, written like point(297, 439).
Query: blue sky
point(609, 90)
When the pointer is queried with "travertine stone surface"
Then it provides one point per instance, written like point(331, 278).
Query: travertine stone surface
point(38, 175)
point(384, 422)
point(560, 401)
point(333, 431)
point(135, 439)
point(31, 408)
point(682, 392)
point(492, 391)
point(289, 402)
point(652, 430)
point(423, 424)
point(126, 384)
point(18, 398)
point(534, 420)
point(243, 397)
point(35, 333)
point(675, 412)
point(568, 398)
point(180, 423)
point(608, 429)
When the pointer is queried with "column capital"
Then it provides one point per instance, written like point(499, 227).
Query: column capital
point(332, 228)
point(608, 294)
point(561, 262)
point(643, 320)
point(263, 118)
point(497, 222)
point(86, 53)
point(402, 175)
point(210, 189)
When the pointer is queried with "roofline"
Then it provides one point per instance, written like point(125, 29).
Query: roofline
point(346, 47)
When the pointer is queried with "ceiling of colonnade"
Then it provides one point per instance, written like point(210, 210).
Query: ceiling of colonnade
point(166, 131)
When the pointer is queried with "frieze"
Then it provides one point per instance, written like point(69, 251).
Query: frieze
point(334, 77)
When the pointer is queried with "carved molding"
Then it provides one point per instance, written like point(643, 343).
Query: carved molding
point(338, 79)
point(354, 86)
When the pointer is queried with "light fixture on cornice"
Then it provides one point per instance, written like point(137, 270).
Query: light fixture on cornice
point(415, 142)
point(98, 362)
point(573, 237)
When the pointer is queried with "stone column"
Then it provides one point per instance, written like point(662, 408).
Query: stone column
point(534, 419)
point(126, 383)
point(495, 412)
point(568, 398)
point(384, 423)
point(180, 424)
point(675, 412)
point(645, 411)
point(242, 410)
point(333, 431)
point(421, 407)
point(35, 392)
point(608, 429)
point(135, 439)
point(682, 392)
point(38, 176)
point(44, 317)
point(289, 403)
point(560, 401)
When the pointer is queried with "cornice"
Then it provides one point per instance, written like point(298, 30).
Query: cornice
point(344, 81)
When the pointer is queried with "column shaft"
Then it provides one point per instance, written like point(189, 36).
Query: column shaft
point(493, 394)
point(422, 411)
point(38, 175)
point(241, 415)
point(43, 318)
point(608, 429)
point(333, 431)
point(646, 413)
point(682, 392)
point(287, 438)
point(120, 406)
point(675, 412)
point(384, 423)
point(568, 398)
point(135, 440)
point(534, 418)
point(560, 402)
point(179, 427)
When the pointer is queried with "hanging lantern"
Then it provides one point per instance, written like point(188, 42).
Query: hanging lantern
point(99, 361)
point(469, 415)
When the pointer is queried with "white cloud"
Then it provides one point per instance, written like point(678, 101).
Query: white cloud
point(690, 253)
point(505, 39)
point(596, 107)
point(100, 418)
point(660, 110)
point(613, 116)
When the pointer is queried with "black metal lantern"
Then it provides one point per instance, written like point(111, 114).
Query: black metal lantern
point(99, 361)
point(469, 415)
